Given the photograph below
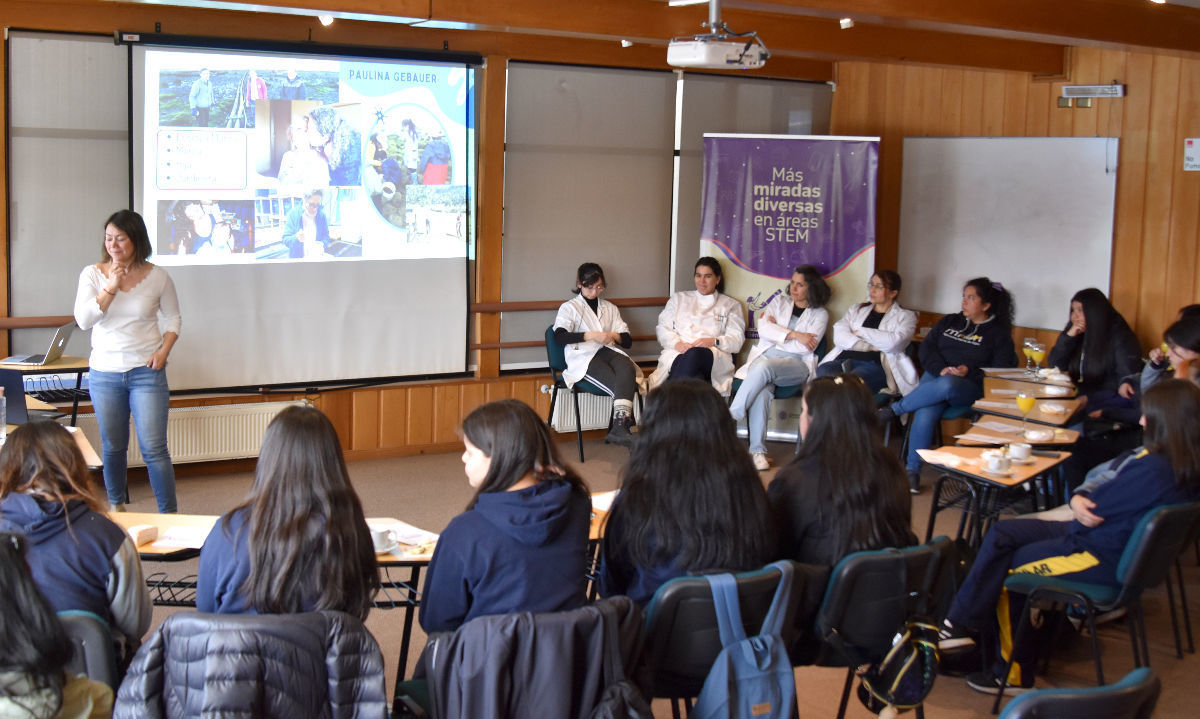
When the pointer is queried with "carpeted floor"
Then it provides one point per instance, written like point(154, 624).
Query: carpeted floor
point(428, 491)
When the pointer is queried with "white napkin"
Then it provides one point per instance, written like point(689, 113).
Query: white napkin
point(986, 438)
point(943, 458)
point(995, 405)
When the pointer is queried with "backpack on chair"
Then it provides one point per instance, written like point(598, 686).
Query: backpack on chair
point(752, 677)
point(904, 677)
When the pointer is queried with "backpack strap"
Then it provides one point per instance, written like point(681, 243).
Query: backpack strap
point(773, 623)
point(725, 603)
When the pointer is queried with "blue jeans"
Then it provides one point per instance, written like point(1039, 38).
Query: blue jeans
point(870, 372)
point(753, 400)
point(927, 402)
point(142, 391)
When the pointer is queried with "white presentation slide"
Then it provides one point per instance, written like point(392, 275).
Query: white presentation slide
point(267, 158)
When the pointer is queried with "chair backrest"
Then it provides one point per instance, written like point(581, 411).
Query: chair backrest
point(1156, 541)
point(871, 594)
point(1133, 697)
point(95, 656)
point(682, 638)
point(555, 353)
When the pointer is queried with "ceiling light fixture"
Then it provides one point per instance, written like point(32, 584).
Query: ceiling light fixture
point(846, 23)
point(683, 3)
point(326, 20)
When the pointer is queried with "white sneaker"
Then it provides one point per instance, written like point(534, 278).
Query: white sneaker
point(761, 463)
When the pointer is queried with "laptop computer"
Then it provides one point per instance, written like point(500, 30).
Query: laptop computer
point(13, 382)
point(57, 344)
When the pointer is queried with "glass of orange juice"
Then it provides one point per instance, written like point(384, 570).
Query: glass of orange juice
point(1037, 353)
point(1025, 403)
point(1027, 350)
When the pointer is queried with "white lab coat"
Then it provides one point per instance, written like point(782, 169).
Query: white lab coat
point(814, 320)
point(690, 316)
point(895, 331)
point(576, 316)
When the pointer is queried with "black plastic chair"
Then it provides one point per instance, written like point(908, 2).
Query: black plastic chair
point(557, 359)
point(869, 598)
point(1148, 557)
point(1133, 697)
point(681, 635)
point(95, 657)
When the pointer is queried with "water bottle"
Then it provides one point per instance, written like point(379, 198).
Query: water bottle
point(3, 418)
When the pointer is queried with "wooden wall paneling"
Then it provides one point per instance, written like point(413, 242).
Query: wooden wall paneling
point(931, 100)
point(993, 104)
point(1038, 109)
point(1108, 120)
point(473, 395)
point(1185, 197)
point(952, 111)
point(488, 247)
point(971, 124)
point(419, 417)
point(878, 89)
point(1061, 118)
point(393, 417)
point(447, 412)
point(337, 407)
point(911, 112)
point(526, 390)
point(1086, 71)
point(364, 419)
point(1162, 167)
point(852, 97)
point(1016, 100)
point(1129, 225)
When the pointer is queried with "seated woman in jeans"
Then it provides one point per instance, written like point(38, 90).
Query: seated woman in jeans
point(953, 355)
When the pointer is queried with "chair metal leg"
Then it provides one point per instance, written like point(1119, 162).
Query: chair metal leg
point(1174, 616)
point(1023, 627)
point(1183, 602)
point(846, 693)
point(578, 425)
point(1141, 620)
point(675, 708)
point(553, 399)
point(1091, 618)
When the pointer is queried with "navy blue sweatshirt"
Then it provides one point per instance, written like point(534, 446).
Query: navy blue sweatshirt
point(956, 340)
point(520, 551)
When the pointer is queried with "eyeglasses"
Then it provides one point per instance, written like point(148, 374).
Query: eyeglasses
point(875, 286)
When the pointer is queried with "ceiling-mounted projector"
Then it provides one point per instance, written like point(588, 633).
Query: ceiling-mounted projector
point(719, 49)
point(716, 54)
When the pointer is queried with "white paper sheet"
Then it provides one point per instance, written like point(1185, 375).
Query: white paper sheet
point(181, 538)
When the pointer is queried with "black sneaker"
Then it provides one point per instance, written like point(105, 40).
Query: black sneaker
point(914, 482)
point(619, 433)
point(885, 415)
point(987, 683)
point(952, 639)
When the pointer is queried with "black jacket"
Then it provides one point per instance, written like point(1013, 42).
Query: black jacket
point(319, 664)
point(1122, 356)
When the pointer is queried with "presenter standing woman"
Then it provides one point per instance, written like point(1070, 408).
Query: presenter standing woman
point(953, 355)
point(789, 330)
point(124, 300)
point(594, 339)
point(700, 332)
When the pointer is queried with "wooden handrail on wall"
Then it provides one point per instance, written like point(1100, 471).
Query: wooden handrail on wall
point(27, 323)
point(538, 343)
point(488, 308)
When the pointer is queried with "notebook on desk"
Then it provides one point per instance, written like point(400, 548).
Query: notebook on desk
point(57, 344)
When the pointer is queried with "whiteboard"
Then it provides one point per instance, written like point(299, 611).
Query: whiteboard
point(1033, 213)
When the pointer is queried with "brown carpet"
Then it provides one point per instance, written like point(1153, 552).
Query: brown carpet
point(429, 490)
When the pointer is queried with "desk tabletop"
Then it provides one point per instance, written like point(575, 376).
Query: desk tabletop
point(999, 388)
point(970, 463)
point(62, 364)
point(1008, 408)
point(1016, 374)
point(995, 430)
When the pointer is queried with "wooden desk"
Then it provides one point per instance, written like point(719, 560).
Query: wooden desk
point(85, 447)
point(65, 365)
point(998, 388)
point(1059, 436)
point(1018, 374)
point(1008, 408)
point(981, 495)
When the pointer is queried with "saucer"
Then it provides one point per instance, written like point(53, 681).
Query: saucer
point(1027, 460)
point(990, 473)
point(1056, 390)
point(1039, 435)
point(388, 549)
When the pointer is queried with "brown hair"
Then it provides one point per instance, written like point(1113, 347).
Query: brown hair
point(1172, 411)
point(42, 458)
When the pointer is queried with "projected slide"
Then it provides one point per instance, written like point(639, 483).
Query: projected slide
point(262, 158)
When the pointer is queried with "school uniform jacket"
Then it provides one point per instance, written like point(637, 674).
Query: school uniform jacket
point(688, 317)
point(814, 320)
point(895, 331)
point(576, 316)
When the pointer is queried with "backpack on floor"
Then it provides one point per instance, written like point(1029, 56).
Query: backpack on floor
point(904, 677)
point(752, 677)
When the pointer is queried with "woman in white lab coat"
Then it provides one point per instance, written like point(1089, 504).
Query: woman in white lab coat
point(700, 331)
point(789, 330)
point(872, 338)
point(594, 339)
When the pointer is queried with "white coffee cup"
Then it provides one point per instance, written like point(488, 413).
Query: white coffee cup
point(997, 462)
point(1019, 451)
point(382, 539)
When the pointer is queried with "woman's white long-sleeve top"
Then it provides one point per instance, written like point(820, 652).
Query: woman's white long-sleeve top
point(895, 331)
point(575, 315)
point(814, 320)
point(689, 316)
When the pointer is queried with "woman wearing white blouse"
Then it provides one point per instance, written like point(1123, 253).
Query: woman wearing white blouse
point(700, 331)
point(122, 299)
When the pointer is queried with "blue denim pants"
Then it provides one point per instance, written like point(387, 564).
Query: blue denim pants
point(871, 372)
point(753, 399)
point(143, 392)
point(927, 402)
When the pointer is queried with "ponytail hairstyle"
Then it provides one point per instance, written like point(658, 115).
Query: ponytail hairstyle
point(861, 483)
point(1003, 307)
point(1171, 409)
point(518, 443)
point(35, 644)
point(588, 274)
point(712, 264)
point(1104, 323)
point(309, 542)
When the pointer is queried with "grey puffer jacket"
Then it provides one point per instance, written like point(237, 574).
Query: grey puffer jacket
point(320, 664)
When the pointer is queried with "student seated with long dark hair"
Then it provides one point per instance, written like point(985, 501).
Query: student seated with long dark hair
point(845, 491)
point(35, 650)
point(299, 541)
point(1088, 548)
point(521, 545)
point(690, 498)
point(79, 558)
point(1097, 349)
